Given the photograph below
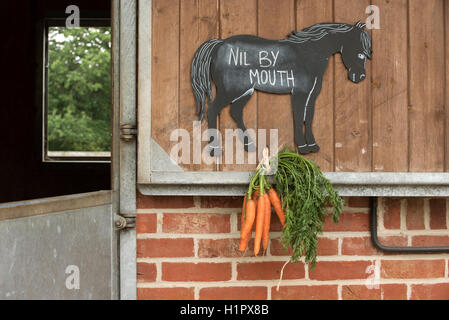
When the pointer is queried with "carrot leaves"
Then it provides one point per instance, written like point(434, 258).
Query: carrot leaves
point(306, 195)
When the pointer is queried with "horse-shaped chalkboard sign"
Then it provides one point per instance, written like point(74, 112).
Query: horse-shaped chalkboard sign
point(295, 65)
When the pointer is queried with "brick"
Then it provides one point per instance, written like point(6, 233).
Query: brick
point(196, 223)
point(392, 213)
point(146, 223)
point(358, 202)
point(394, 241)
point(394, 291)
point(411, 269)
point(340, 270)
point(146, 272)
point(221, 202)
point(437, 291)
point(348, 222)
point(437, 213)
point(381, 292)
point(316, 292)
point(152, 248)
point(277, 249)
point(326, 247)
point(202, 271)
point(363, 246)
point(165, 293)
point(213, 248)
point(415, 214)
point(164, 202)
point(360, 246)
point(430, 241)
point(269, 270)
point(345, 200)
point(233, 293)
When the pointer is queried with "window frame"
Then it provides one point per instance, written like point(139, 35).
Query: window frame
point(70, 157)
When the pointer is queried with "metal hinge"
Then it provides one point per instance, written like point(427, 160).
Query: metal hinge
point(128, 132)
point(125, 221)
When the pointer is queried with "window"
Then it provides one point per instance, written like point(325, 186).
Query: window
point(77, 92)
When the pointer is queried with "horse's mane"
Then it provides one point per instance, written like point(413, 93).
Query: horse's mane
point(320, 30)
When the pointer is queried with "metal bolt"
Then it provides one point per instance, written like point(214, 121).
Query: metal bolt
point(120, 223)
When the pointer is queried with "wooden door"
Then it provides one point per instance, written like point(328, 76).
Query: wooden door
point(393, 121)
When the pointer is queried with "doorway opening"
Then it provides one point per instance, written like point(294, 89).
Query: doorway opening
point(57, 102)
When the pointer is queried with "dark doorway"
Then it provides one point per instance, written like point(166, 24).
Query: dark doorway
point(23, 173)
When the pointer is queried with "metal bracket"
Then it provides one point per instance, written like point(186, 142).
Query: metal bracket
point(128, 132)
point(125, 222)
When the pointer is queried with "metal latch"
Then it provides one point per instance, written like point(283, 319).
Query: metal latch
point(125, 221)
point(128, 132)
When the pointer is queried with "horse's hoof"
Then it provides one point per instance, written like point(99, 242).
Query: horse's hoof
point(313, 148)
point(304, 149)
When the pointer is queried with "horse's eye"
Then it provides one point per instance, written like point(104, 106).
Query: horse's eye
point(361, 56)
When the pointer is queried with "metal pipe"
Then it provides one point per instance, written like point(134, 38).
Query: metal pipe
point(380, 246)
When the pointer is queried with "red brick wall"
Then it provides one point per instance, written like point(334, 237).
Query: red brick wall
point(187, 248)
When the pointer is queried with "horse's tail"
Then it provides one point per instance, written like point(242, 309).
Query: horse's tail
point(200, 74)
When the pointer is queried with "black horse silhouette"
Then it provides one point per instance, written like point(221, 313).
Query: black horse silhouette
point(294, 65)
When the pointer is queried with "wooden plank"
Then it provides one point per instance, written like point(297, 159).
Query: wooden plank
point(427, 76)
point(446, 57)
point(352, 103)
point(165, 71)
point(199, 22)
point(390, 84)
point(238, 17)
point(310, 12)
point(276, 21)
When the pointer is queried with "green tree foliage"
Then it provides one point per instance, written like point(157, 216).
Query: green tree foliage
point(79, 89)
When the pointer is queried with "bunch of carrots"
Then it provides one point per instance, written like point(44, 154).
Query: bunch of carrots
point(257, 209)
point(300, 200)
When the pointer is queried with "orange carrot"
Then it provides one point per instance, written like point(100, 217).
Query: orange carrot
point(276, 202)
point(245, 233)
point(267, 220)
point(259, 224)
point(256, 195)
